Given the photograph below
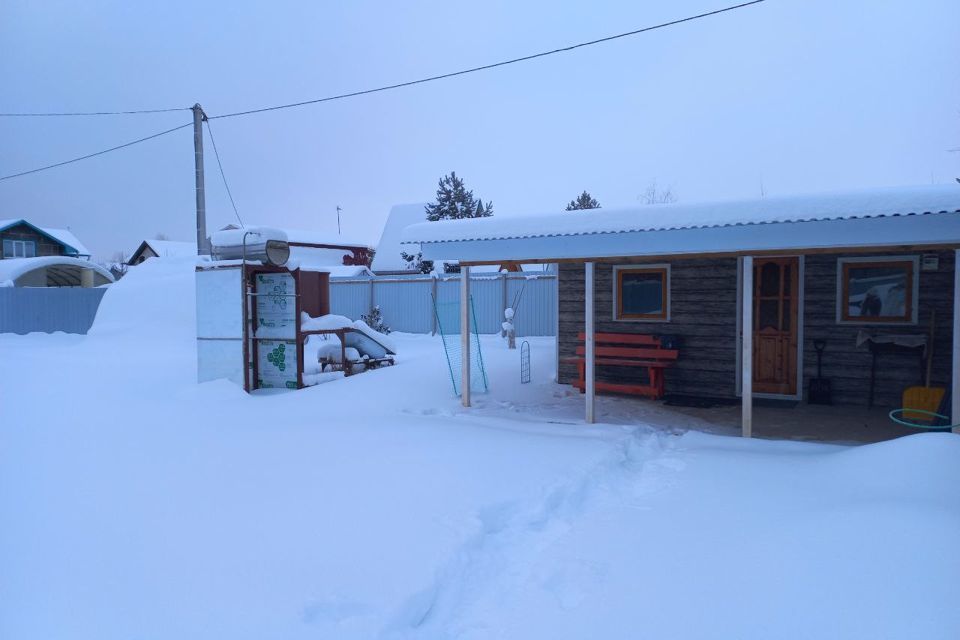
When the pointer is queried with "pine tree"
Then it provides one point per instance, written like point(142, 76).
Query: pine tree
point(374, 320)
point(455, 201)
point(583, 201)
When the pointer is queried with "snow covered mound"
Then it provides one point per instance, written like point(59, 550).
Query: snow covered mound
point(924, 467)
point(155, 300)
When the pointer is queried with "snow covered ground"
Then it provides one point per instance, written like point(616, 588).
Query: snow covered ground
point(135, 503)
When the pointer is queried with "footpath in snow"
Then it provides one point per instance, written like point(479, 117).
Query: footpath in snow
point(137, 503)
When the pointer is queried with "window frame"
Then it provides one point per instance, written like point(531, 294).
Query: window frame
point(14, 243)
point(912, 297)
point(663, 269)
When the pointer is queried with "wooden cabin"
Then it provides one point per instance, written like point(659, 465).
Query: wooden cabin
point(867, 277)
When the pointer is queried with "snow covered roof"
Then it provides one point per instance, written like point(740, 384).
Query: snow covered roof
point(172, 248)
point(12, 269)
point(342, 271)
point(909, 215)
point(63, 236)
point(169, 248)
point(389, 248)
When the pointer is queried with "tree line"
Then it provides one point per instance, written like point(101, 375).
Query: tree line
point(456, 202)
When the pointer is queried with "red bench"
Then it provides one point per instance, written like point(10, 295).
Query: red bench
point(626, 350)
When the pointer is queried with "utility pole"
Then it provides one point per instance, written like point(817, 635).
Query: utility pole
point(338, 220)
point(198, 117)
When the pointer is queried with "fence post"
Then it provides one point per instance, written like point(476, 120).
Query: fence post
point(372, 297)
point(433, 312)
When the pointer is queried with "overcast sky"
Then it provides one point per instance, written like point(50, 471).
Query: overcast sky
point(798, 96)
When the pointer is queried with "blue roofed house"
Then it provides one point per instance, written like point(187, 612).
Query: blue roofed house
point(33, 256)
point(23, 239)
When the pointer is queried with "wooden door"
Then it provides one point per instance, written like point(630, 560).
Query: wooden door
point(775, 297)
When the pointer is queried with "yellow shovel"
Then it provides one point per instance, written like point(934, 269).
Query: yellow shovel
point(926, 398)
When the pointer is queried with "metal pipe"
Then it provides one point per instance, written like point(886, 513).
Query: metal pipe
point(246, 313)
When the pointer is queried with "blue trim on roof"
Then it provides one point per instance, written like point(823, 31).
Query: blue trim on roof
point(75, 251)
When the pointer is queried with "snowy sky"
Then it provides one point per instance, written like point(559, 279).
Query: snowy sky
point(796, 96)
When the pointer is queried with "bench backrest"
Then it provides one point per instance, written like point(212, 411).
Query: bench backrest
point(634, 353)
point(632, 339)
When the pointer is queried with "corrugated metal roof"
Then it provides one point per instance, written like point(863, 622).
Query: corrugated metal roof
point(875, 203)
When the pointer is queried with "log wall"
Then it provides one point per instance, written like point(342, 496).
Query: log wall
point(704, 317)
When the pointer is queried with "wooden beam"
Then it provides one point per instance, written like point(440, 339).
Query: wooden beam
point(746, 341)
point(722, 254)
point(465, 335)
point(589, 341)
point(955, 372)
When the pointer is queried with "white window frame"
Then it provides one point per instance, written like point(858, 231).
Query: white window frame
point(914, 298)
point(22, 245)
point(665, 266)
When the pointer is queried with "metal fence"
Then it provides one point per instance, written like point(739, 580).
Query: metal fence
point(29, 309)
point(406, 302)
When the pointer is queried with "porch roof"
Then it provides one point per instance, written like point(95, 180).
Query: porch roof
point(907, 216)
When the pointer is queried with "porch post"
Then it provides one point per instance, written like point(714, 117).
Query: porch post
point(589, 340)
point(746, 342)
point(955, 371)
point(465, 335)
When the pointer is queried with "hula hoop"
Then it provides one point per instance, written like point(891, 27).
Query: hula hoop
point(897, 416)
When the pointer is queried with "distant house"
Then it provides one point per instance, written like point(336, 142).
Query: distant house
point(319, 249)
point(23, 239)
point(162, 249)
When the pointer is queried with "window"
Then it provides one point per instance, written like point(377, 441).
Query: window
point(877, 290)
point(642, 293)
point(19, 248)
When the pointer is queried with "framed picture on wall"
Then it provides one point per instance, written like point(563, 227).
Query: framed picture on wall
point(880, 290)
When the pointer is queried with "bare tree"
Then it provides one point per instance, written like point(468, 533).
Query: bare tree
point(161, 236)
point(117, 265)
point(653, 194)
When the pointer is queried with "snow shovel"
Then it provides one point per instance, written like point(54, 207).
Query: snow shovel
point(820, 390)
point(926, 398)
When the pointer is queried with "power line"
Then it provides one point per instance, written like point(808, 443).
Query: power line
point(493, 65)
point(91, 113)
point(222, 174)
point(98, 153)
point(345, 95)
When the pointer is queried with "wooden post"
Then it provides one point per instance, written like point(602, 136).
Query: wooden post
point(590, 339)
point(465, 335)
point(746, 341)
point(955, 372)
point(503, 301)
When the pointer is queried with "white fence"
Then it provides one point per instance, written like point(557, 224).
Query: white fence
point(406, 302)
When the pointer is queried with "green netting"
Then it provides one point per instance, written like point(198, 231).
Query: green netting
point(448, 323)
